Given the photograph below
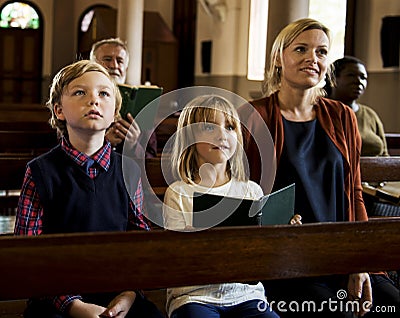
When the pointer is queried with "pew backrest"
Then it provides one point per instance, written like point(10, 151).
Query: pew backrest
point(12, 170)
point(24, 113)
point(378, 169)
point(393, 143)
point(161, 259)
point(32, 142)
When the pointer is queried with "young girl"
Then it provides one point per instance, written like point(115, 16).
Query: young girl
point(208, 157)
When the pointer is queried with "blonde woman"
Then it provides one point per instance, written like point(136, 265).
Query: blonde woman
point(317, 147)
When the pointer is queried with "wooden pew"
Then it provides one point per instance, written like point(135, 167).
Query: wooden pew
point(13, 166)
point(25, 125)
point(21, 106)
point(12, 170)
point(33, 142)
point(170, 259)
point(155, 290)
point(23, 113)
point(24, 134)
point(154, 176)
point(378, 169)
point(24, 128)
point(164, 131)
point(393, 143)
point(375, 170)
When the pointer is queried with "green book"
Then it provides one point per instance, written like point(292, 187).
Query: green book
point(134, 101)
point(272, 209)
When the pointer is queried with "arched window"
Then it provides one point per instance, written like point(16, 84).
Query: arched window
point(21, 24)
point(19, 15)
point(96, 23)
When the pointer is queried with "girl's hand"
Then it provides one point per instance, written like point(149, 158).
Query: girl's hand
point(120, 305)
point(80, 309)
point(295, 220)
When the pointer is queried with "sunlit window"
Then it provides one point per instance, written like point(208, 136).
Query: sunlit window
point(87, 20)
point(257, 39)
point(19, 15)
point(332, 13)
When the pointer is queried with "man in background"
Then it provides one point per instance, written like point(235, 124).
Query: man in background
point(114, 55)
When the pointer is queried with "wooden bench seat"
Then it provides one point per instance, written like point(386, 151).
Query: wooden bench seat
point(170, 259)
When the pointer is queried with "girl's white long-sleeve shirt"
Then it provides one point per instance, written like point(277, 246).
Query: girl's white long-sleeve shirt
point(177, 211)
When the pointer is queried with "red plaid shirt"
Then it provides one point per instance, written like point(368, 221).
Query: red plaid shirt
point(30, 211)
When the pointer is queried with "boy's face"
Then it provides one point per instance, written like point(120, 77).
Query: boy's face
point(87, 103)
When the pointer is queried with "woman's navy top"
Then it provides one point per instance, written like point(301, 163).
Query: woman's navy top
point(311, 161)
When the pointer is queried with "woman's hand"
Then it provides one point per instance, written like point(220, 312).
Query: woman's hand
point(359, 289)
point(295, 220)
point(120, 305)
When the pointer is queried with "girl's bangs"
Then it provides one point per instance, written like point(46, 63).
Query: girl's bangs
point(208, 113)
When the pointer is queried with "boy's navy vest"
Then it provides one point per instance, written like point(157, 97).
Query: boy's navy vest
point(73, 202)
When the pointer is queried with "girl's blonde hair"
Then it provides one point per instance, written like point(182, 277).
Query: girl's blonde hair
point(184, 159)
point(65, 76)
point(285, 37)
